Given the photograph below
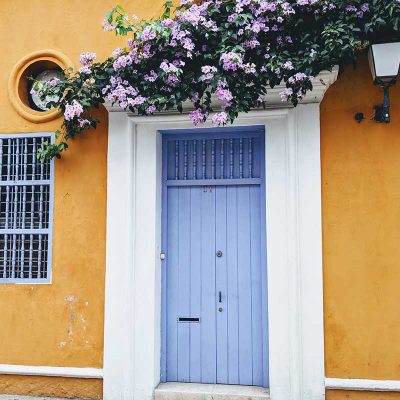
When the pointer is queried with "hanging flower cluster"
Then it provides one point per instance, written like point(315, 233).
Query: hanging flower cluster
point(233, 50)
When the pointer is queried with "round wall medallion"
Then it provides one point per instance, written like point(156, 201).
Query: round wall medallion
point(39, 65)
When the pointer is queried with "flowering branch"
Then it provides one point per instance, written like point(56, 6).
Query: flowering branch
point(232, 49)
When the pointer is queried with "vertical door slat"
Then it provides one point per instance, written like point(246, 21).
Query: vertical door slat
point(195, 283)
point(221, 285)
point(256, 278)
point(222, 159)
point(232, 285)
point(208, 294)
point(172, 283)
point(204, 159)
point(194, 159)
point(244, 289)
point(184, 284)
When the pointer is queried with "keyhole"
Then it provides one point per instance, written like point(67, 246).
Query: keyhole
point(219, 253)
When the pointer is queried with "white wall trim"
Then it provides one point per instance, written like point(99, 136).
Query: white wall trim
point(362, 385)
point(64, 372)
point(294, 250)
point(273, 98)
point(23, 397)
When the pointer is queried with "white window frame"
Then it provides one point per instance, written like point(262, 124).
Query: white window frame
point(132, 332)
point(49, 230)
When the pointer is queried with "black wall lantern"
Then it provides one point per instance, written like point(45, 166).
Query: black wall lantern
point(384, 60)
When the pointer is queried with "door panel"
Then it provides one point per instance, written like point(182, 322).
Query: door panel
point(215, 274)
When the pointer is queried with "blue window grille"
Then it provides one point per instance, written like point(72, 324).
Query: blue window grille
point(26, 209)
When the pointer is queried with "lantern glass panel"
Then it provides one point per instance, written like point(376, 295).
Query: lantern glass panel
point(384, 61)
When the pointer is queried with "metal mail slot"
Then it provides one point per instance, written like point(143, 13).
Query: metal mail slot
point(189, 319)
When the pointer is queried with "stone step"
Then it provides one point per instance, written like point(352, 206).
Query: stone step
point(200, 391)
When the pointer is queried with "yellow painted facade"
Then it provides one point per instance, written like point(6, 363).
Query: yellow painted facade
point(62, 324)
point(361, 214)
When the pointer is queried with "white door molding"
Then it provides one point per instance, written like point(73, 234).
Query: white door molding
point(294, 250)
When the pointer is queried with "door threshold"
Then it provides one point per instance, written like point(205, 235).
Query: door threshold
point(203, 391)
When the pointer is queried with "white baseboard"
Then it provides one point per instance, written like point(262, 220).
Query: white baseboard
point(64, 372)
point(20, 397)
point(362, 385)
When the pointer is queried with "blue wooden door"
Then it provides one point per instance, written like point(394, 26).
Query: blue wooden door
point(214, 274)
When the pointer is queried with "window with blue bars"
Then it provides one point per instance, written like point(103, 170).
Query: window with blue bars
point(26, 209)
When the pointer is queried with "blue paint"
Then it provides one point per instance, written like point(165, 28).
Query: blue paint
point(214, 199)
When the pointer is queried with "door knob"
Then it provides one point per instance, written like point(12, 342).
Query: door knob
point(219, 253)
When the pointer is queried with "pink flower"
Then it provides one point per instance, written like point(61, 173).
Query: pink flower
point(220, 118)
point(85, 69)
point(231, 61)
point(151, 109)
point(72, 110)
point(87, 58)
point(286, 93)
point(198, 116)
point(222, 93)
point(83, 122)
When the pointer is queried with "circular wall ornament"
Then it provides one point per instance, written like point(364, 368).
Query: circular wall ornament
point(39, 64)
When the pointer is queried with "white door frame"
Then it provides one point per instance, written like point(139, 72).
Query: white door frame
point(294, 249)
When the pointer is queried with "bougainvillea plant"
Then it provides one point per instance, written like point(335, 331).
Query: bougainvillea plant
point(233, 50)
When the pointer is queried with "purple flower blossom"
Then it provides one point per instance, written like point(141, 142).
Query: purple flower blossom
point(365, 7)
point(286, 93)
point(122, 62)
point(208, 73)
point(222, 93)
point(53, 82)
point(83, 122)
point(351, 8)
point(147, 34)
point(117, 52)
point(231, 61)
point(198, 116)
point(219, 119)
point(151, 109)
point(151, 76)
point(72, 110)
point(87, 58)
point(288, 65)
point(169, 68)
point(85, 69)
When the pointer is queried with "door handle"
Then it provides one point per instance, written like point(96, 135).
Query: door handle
point(220, 297)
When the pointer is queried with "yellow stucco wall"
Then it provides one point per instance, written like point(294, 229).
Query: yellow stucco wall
point(361, 231)
point(61, 324)
point(353, 395)
point(53, 387)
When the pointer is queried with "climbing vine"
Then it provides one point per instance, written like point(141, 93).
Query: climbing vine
point(233, 50)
